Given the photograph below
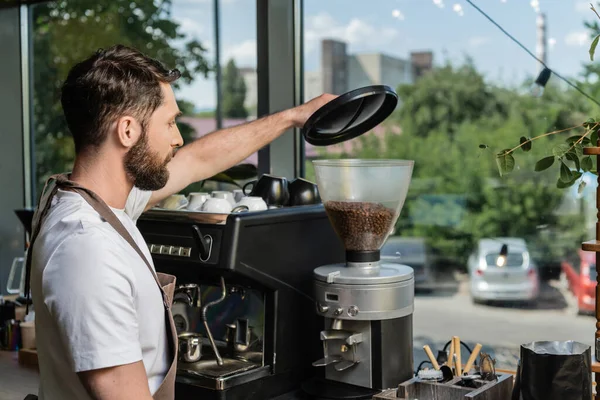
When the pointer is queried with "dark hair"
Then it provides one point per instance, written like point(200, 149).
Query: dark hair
point(109, 84)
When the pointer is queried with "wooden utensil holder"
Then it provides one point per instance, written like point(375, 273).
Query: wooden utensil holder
point(416, 388)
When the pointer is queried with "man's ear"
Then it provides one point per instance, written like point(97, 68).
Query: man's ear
point(128, 131)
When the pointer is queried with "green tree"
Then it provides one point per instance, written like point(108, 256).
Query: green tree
point(234, 92)
point(66, 32)
point(456, 195)
point(445, 98)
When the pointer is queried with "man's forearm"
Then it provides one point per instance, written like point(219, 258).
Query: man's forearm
point(220, 150)
point(225, 148)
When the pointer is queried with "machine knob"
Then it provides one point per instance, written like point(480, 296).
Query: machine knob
point(338, 311)
point(322, 308)
point(352, 311)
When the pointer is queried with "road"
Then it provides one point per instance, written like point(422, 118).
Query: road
point(501, 329)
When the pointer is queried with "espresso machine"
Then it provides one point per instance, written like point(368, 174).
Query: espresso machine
point(243, 306)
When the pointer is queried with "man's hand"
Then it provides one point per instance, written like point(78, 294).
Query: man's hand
point(301, 113)
point(125, 382)
point(218, 151)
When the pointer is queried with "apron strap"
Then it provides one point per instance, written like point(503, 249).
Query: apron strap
point(62, 182)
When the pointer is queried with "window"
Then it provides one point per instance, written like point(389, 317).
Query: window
point(466, 92)
point(179, 33)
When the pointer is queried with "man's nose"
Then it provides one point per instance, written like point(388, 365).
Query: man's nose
point(177, 139)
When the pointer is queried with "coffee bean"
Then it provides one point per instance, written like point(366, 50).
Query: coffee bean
point(362, 226)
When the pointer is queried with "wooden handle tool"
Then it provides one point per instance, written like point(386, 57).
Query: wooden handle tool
point(431, 357)
point(457, 352)
point(451, 354)
point(471, 360)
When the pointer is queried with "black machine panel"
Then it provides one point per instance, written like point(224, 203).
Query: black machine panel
point(273, 253)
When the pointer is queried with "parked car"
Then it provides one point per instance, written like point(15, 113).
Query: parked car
point(412, 252)
point(580, 273)
point(501, 269)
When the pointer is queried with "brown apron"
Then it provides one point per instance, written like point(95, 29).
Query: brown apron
point(166, 283)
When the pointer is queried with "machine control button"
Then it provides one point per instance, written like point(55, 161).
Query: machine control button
point(174, 250)
point(338, 311)
point(155, 248)
point(322, 308)
point(185, 252)
point(165, 249)
point(352, 311)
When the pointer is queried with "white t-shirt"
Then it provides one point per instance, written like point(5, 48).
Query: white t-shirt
point(96, 303)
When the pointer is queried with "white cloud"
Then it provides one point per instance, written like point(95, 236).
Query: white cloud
point(243, 53)
point(535, 4)
point(477, 41)
point(398, 14)
point(458, 9)
point(191, 27)
point(577, 38)
point(355, 33)
point(439, 3)
point(551, 43)
point(583, 6)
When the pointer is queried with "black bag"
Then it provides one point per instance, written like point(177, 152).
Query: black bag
point(554, 371)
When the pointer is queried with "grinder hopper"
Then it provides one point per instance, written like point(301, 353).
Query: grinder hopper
point(363, 199)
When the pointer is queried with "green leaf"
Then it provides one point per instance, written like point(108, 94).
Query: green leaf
point(563, 185)
point(505, 162)
point(560, 150)
point(594, 137)
point(570, 141)
point(544, 163)
point(581, 187)
point(526, 143)
point(565, 173)
point(593, 47)
point(589, 123)
point(587, 164)
point(574, 158)
point(578, 149)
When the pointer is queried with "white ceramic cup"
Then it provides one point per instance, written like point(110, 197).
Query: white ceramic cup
point(238, 194)
point(223, 194)
point(175, 202)
point(217, 205)
point(254, 203)
point(196, 200)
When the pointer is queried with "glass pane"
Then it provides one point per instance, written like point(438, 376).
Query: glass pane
point(467, 94)
point(178, 33)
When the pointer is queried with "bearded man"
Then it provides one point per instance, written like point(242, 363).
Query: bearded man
point(104, 329)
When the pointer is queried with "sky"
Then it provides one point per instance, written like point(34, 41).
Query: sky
point(452, 29)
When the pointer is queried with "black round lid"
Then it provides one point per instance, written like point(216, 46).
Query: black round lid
point(350, 115)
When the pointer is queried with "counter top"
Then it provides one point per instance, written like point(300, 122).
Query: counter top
point(16, 381)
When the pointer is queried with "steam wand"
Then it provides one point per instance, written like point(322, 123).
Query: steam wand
point(204, 319)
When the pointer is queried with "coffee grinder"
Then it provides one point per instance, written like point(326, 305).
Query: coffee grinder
point(366, 304)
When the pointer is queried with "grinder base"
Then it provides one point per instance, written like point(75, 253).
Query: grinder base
point(322, 389)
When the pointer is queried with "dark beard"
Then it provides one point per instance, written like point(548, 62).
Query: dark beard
point(145, 168)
